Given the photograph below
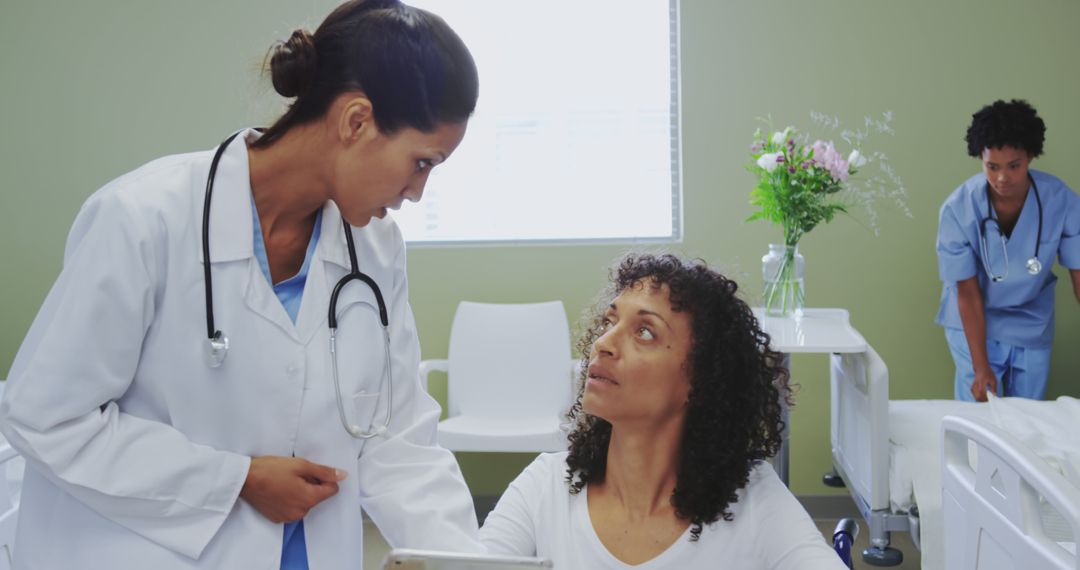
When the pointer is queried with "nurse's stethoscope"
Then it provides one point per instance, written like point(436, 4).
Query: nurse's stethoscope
point(1034, 266)
point(218, 344)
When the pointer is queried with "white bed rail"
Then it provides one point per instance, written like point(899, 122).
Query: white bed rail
point(992, 505)
point(859, 392)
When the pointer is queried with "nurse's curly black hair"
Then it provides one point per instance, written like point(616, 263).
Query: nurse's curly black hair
point(1001, 124)
point(733, 414)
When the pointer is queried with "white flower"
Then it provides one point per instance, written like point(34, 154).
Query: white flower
point(856, 159)
point(769, 160)
point(780, 137)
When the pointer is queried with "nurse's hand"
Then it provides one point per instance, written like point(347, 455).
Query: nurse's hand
point(983, 382)
point(284, 489)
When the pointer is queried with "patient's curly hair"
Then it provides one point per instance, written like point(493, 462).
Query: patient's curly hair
point(1000, 124)
point(733, 413)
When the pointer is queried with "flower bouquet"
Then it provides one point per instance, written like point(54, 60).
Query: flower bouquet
point(801, 184)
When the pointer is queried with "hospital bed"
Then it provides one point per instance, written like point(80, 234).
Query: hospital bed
point(1005, 507)
point(888, 453)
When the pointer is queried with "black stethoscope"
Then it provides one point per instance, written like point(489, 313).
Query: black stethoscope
point(1034, 266)
point(218, 344)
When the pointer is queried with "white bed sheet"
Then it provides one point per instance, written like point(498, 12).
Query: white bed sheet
point(1050, 428)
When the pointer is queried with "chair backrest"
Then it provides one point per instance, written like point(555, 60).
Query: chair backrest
point(509, 360)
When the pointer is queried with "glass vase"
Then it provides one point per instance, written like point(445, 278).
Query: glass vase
point(782, 269)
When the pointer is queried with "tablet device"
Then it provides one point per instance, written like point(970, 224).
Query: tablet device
point(408, 559)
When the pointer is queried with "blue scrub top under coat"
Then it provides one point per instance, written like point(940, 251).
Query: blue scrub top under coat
point(1020, 309)
point(290, 292)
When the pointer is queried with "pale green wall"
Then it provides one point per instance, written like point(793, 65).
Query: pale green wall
point(92, 89)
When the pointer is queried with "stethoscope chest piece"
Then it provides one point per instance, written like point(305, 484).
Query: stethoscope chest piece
point(216, 349)
point(1034, 266)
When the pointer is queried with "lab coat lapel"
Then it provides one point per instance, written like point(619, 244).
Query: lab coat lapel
point(316, 299)
point(232, 234)
point(260, 298)
point(332, 263)
point(230, 206)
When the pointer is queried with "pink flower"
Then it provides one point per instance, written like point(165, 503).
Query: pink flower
point(840, 172)
point(827, 156)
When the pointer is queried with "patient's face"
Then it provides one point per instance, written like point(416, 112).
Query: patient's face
point(637, 367)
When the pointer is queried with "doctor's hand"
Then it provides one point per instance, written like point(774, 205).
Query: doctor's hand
point(284, 489)
point(984, 381)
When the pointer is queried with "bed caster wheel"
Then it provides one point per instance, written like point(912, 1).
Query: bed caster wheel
point(833, 479)
point(887, 556)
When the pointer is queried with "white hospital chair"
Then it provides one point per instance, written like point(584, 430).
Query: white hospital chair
point(509, 378)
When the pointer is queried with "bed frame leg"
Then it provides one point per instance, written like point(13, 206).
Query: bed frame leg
point(887, 556)
point(833, 479)
point(882, 523)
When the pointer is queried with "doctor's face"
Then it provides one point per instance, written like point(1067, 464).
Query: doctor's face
point(1006, 170)
point(388, 169)
point(638, 365)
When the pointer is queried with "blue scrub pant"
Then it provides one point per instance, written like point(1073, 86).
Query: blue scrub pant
point(1020, 371)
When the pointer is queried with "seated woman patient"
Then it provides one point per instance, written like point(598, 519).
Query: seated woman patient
point(678, 408)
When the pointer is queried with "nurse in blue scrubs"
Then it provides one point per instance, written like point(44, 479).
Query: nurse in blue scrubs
point(998, 236)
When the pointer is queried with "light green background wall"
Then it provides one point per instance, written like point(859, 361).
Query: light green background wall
point(93, 89)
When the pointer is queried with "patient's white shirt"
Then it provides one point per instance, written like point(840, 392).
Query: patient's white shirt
point(537, 516)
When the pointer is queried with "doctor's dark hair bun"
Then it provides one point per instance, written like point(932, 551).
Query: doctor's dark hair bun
point(1001, 124)
point(293, 63)
point(413, 68)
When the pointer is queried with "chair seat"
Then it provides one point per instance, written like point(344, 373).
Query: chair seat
point(467, 433)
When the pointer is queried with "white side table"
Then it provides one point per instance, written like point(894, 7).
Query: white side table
point(823, 331)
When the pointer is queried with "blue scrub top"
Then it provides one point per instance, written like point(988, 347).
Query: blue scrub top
point(1020, 309)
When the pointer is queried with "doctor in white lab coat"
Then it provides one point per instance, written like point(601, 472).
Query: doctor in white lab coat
point(140, 454)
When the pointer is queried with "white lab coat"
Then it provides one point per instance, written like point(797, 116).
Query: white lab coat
point(137, 450)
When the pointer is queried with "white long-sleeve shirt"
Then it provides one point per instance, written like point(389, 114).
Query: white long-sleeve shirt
point(537, 516)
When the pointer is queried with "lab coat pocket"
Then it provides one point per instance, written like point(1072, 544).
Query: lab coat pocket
point(368, 412)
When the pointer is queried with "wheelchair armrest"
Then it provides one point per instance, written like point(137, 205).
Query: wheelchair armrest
point(844, 539)
point(429, 366)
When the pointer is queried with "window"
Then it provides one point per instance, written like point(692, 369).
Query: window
point(576, 133)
